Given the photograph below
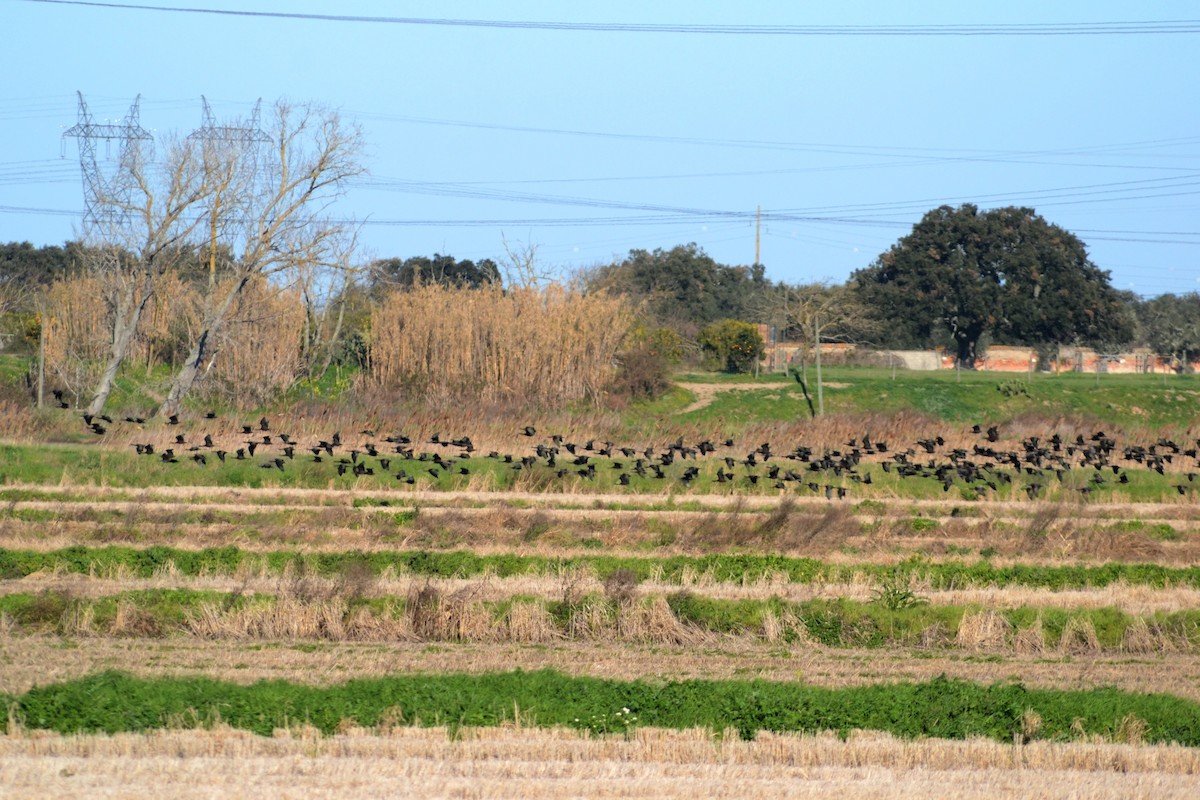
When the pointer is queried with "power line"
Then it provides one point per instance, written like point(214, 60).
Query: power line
point(1125, 27)
point(913, 155)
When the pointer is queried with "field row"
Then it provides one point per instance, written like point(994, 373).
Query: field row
point(838, 475)
point(428, 615)
point(114, 702)
point(862, 586)
point(549, 763)
point(123, 561)
point(30, 661)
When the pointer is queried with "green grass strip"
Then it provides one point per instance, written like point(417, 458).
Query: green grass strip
point(113, 702)
point(145, 562)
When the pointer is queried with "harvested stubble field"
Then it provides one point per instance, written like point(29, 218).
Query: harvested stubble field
point(520, 762)
point(1086, 585)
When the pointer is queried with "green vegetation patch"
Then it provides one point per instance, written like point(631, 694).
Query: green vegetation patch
point(735, 567)
point(113, 702)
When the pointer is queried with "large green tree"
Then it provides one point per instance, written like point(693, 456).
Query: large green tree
point(684, 287)
point(1172, 326)
point(1006, 272)
point(445, 270)
point(22, 264)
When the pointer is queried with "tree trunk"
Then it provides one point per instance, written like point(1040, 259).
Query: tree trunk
point(965, 358)
point(129, 314)
point(333, 339)
point(210, 326)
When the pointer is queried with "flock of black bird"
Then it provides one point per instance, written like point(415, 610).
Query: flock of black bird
point(1083, 464)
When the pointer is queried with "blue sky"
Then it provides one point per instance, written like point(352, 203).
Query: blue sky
point(590, 142)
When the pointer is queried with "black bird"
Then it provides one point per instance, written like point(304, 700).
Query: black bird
point(529, 430)
point(264, 425)
point(173, 419)
point(210, 415)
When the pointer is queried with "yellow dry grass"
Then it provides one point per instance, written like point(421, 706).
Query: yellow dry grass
point(521, 762)
point(1136, 600)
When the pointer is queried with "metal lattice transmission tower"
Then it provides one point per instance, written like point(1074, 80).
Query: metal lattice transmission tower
point(216, 142)
point(248, 135)
point(106, 200)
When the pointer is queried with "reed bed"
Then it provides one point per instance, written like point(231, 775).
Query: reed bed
point(536, 346)
point(259, 350)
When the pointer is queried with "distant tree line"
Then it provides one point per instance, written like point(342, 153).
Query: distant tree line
point(961, 279)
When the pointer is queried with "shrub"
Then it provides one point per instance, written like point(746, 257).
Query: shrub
point(645, 361)
point(731, 346)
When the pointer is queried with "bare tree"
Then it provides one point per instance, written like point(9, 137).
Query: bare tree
point(816, 313)
point(521, 267)
point(269, 208)
point(149, 233)
point(325, 303)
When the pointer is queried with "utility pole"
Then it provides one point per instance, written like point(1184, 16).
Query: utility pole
point(758, 236)
point(41, 379)
point(820, 387)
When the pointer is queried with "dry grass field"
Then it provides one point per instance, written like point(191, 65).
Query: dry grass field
point(514, 762)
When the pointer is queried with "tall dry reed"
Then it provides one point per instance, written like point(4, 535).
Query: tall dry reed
point(78, 331)
point(543, 346)
point(257, 354)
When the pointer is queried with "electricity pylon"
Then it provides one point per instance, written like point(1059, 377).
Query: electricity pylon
point(106, 200)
